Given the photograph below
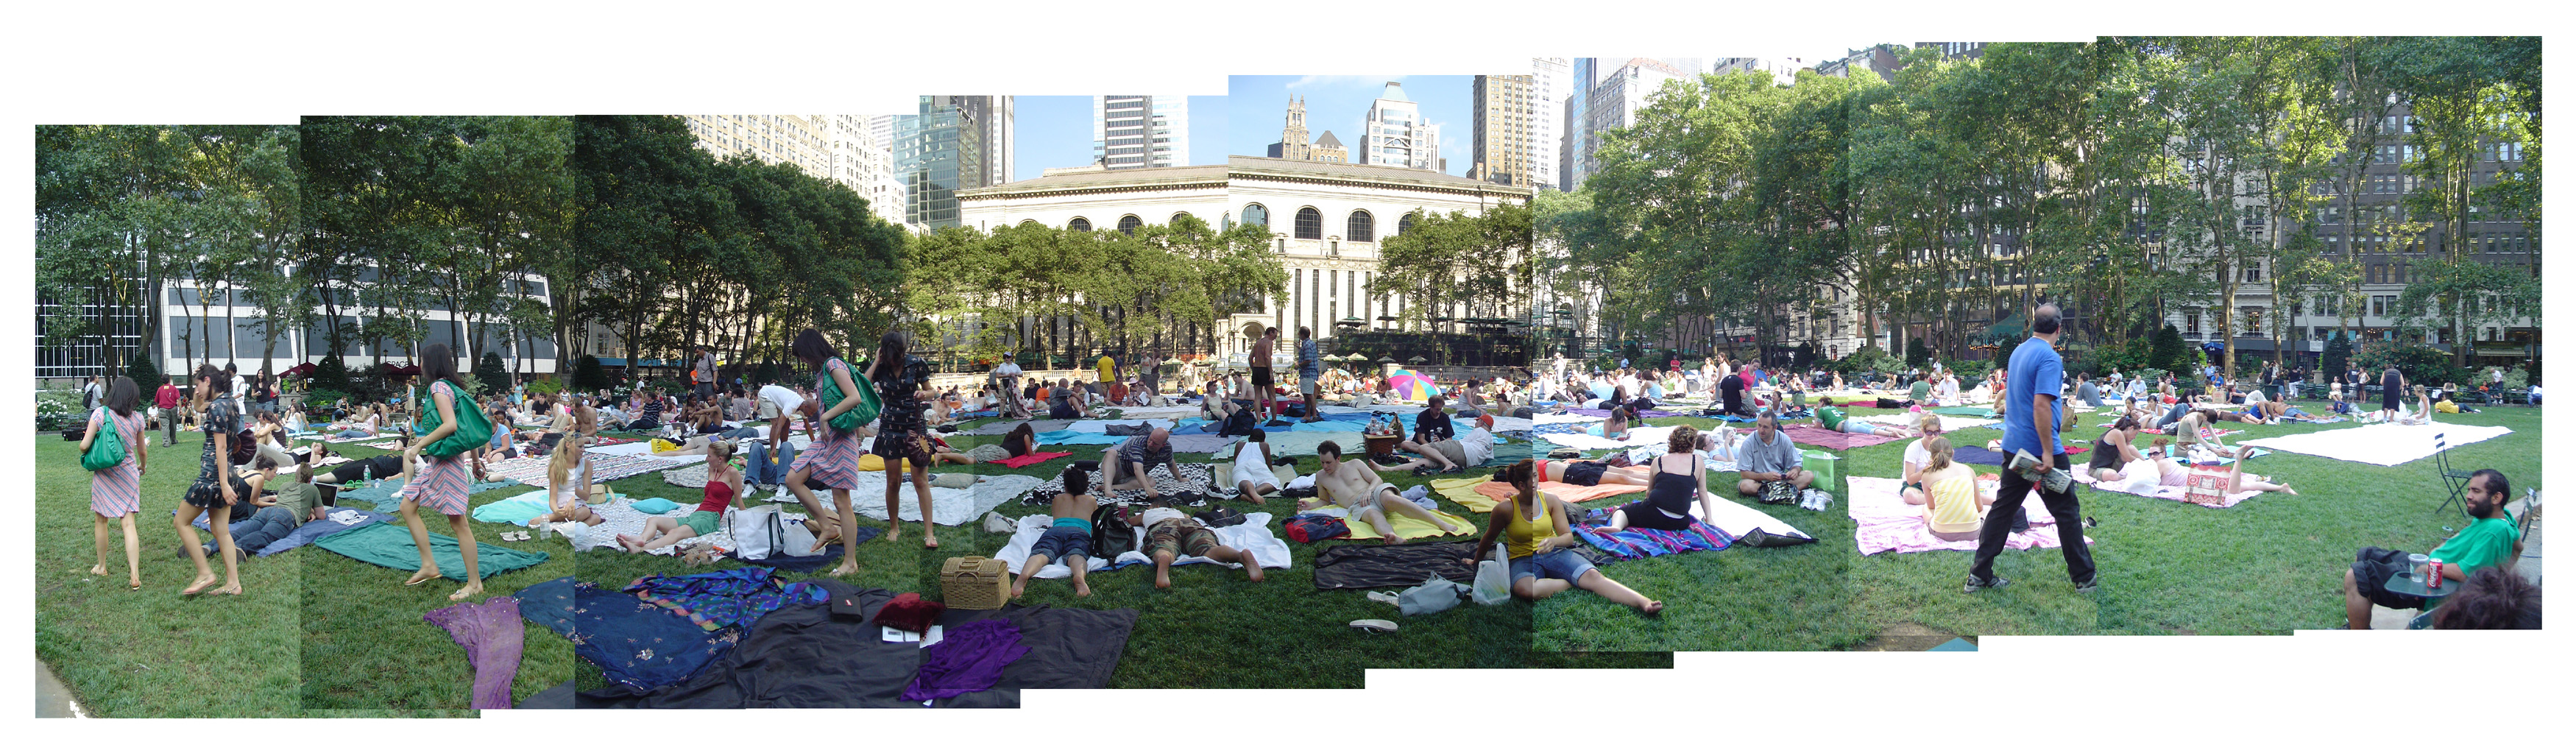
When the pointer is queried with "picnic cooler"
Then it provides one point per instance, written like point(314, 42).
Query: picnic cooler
point(1828, 468)
point(2205, 485)
point(974, 583)
point(1382, 445)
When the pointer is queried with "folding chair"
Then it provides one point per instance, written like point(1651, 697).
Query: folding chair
point(2456, 480)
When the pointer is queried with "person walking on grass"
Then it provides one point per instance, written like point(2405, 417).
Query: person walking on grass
point(903, 430)
point(116, 492)
point(723, 483)
point(1262, 389)
point(440, 484)
point(1537, 538)
point(833, 457)
point(167, 401)
point(1310, 371)
point(216, 485)
point(2036, 377)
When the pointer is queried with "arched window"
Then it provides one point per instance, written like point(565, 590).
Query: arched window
point(1310, 224)
point(1405, 224)
point(1176, 219)
point(1360, 228)
point(1256, 214)
point(1128, 224)
point(1078, 224)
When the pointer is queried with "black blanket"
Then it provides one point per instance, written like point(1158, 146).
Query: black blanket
point(1406, 565)
point(800, 657)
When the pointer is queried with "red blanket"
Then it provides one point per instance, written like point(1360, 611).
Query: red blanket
point(1020, 461)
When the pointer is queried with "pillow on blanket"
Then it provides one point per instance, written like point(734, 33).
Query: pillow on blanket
point(953, 480)
point(656, 506)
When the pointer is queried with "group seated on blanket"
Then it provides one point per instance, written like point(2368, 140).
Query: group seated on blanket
point(1954, 507)
point(1436, 439)
point(724, 482)
point(1359, 490)
point(2490, 543)
point(1538, 538)
point(1680, 477)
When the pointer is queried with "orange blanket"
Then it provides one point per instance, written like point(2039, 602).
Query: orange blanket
point(1496, 491)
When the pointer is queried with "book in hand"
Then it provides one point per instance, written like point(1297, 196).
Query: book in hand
point(2055, 479)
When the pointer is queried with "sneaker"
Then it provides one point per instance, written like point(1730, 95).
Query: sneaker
point(2088, 586)
point(1975, 584)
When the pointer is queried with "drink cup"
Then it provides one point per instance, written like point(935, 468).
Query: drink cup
point(2415, 567)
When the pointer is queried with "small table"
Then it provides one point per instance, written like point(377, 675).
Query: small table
point(2397, 583)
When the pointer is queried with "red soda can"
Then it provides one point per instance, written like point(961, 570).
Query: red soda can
point(2435, 566)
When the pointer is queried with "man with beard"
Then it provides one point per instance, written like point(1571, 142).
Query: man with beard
point(2489, 541)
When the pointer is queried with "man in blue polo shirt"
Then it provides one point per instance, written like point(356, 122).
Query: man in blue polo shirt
point(2036, 377)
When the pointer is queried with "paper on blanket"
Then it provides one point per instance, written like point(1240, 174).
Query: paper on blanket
point(1589, 442)
point(1406, 527)
point(2383, 444)
point(1888, 524)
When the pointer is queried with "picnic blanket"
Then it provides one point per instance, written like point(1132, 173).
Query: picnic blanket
point(1252, 535)
point(1303, 443)
point(1888, 524)
point(1980, 455)
point(1649, 453)
point(519, 509)
point(1450, 524)
point(604, 467)
point(1032, 458)
point(640, 645)
point(1481, 497)
point(1948, 422)
point(2140, 478)
point(1589, 442)
point(1593, 413)
point(1833, 439)
point(619, 517)
point(389, 545)
point(1077, 438)
point(1361, 566)
point(1737, 519)
point(325, 526)
point(949, 506)
point(2385, 444)
point(548, 604)
point(1966, 411)
point(1640, 543)
point(1194, 478)
point(492, 636)
point(1199, 443)
point(1102, 426)
point(733, 597)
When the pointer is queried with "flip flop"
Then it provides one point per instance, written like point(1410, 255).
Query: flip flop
point(418, 580)
point(1374, 625)
point(1382, 597)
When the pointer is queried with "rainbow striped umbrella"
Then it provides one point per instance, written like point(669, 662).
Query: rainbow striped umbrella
point(1410, 386)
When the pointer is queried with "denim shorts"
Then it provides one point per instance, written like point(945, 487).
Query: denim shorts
point(1561, 564)
point(1060, 542)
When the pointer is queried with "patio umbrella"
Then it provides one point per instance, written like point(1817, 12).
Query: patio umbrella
point(1411, 386)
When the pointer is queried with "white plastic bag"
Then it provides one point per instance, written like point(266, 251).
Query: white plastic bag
point(1494, 578)
point(1434, 596)
point(758, 533)
point(794, 539)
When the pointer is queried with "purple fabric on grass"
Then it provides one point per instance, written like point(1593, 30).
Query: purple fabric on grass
point(967, 659)
point(492, 636)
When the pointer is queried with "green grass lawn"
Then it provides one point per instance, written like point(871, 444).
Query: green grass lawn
point(313, 630)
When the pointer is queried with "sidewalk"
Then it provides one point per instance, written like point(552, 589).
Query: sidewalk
point(53, 701)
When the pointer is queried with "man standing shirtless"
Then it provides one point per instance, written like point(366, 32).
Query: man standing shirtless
point(1359, 489)
point(1261, 372)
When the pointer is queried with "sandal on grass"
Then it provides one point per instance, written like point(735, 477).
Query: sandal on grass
point(1374, 625)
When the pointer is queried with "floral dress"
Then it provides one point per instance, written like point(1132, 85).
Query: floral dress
point(903, 430)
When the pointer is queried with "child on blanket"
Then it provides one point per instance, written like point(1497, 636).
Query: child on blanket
point(723, 481)
point(1537, 538)
point(1067, 538)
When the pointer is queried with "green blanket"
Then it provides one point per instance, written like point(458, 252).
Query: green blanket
point(389, 545)
point(1967, 411)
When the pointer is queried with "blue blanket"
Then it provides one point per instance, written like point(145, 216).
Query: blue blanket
point(320, 528)
point(515, 510)
point(1071, 438)
point(638, 644)
point(1640, 543)
point(548, 604)
point(387, 493)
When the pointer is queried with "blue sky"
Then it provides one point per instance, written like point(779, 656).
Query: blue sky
point(1258, 105)
point(1055, 131)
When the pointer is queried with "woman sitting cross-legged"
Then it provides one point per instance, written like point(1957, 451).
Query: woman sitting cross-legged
point(1953, 506)
point(1680, 478)
point(722, 482)
point(1536, 537)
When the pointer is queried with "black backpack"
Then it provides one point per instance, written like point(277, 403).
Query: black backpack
point(1241, 423)
point(1111, 535)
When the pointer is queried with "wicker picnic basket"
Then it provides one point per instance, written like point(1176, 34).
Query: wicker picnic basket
point(974, 583)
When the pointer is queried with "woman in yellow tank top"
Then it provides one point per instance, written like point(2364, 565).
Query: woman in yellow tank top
point(1953, 508)
point(1535, 535)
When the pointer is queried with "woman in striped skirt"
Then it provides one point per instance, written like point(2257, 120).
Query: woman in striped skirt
point(833, 460)
point(116, 492)
point(440, 484)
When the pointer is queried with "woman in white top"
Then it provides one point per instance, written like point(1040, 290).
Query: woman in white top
point(1251, 474)
point(1916, 457)
point(567, 479)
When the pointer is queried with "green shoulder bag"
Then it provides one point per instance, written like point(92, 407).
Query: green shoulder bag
point(473, 430)
point(108, 449)
point(828, 394)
